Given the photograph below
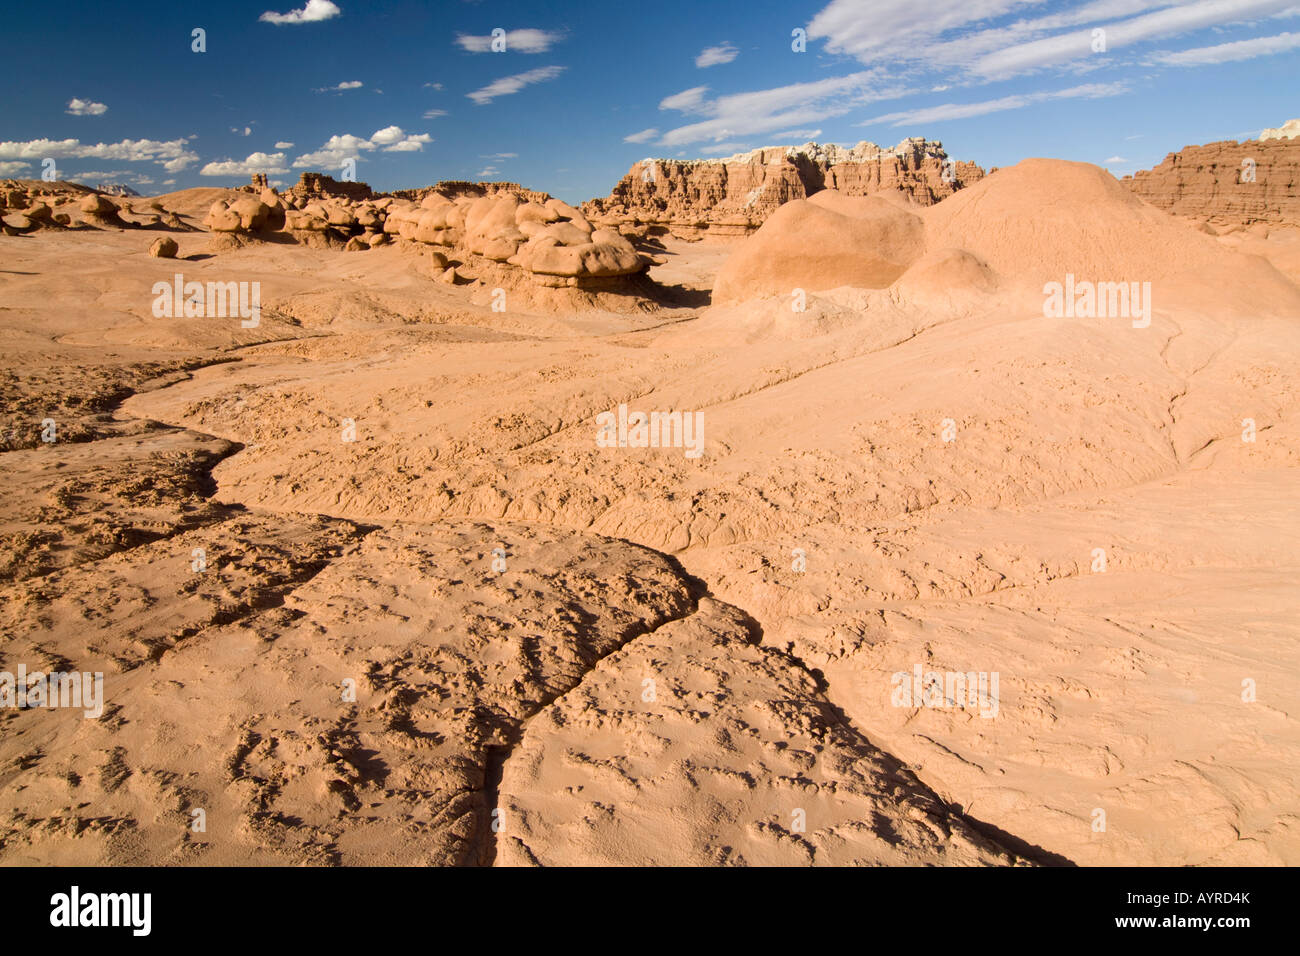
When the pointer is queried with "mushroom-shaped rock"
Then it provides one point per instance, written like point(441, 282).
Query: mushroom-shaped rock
point(16, 225)
point(164, 247)
point(607, 259)
point(252, 213)
point(500, 249)
point(567, 234)
point(355, 245)
point(39, 212)
point(534, 212)
point(221, 218)
point(96, 205)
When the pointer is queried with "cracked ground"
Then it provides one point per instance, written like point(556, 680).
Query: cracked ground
point(473, 637)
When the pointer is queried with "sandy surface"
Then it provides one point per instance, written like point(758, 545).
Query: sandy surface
point(684, 659)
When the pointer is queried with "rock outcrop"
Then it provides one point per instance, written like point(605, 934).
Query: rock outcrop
point(548, 241)
point(1227, 183)
point(735, 195)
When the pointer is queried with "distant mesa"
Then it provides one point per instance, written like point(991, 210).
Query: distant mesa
point(116, 189)
point(735, 195)
point(1229, 185)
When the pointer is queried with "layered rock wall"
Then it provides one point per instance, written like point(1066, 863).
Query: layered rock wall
point(735, 195)
point(1227, 183)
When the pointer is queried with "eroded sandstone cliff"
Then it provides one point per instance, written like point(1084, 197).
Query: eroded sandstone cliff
point(1227, 183)
point(734, 195)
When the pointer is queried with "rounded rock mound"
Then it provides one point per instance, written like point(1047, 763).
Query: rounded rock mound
point(825, 242)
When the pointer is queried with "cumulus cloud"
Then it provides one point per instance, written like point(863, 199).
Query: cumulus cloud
point(80, 107)
point(345, 85)
point(255, 163)
point(171, 154)
point(642, 137)
point(345, 146)
point(529, 40)
point(12, 168)
point(712, 56)
point(282, 144)
point(952, 111)
point(686, 101)
point(508, 85)
point(313, 12)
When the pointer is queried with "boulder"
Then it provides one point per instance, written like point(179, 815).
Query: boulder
point(164, 247)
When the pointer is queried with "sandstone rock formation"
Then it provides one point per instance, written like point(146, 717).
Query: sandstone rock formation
point(735, 195)
point(820, 243)
point(1028, 224)
point(1228, 183)
point(548, 241)
point(164, 247)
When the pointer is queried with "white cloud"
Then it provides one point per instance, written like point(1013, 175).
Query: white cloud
point(12, 168)
point(346, 146)
point(500, 156)
point(742, 115)
point(1069, 47)
point(255, 163)
point(314, 11)
point(1230, 52)
point(529, 40)
point(171, 153)
point(938, 36)
point(433, 86)
point(513, 84)
point(877, 30)
point(283, 144)
point(714, 55)
point(99, 175)
point(686, 101)
point(79, 107)
point(642, 137)
point(952, 111)
point(722, 149)
point(797, 135)
point(345, 85)
point(434, 114)
point(410, 144)
point(487, 171)
point(1117, 159)
point(246, 131)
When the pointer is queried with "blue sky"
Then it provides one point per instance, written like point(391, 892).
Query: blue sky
point(414, 92)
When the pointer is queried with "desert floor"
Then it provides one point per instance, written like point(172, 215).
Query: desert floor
point(684, 660)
